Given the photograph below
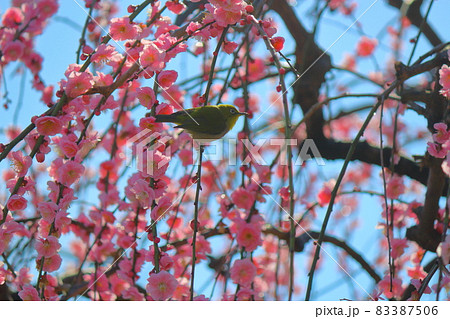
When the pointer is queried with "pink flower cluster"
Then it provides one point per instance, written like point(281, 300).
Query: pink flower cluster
point(126, 204)
point(366, 46)
point(443, 251)
point(120, 216)
point(226, 12)
point(343, 6)
point(243, 272)
point(20, 24)
point(248, 234)
point(77, 82)
point(440, 147)
point(444, 80)
point(161, 286)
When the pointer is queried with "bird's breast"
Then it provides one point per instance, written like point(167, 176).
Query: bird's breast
point(207, 136)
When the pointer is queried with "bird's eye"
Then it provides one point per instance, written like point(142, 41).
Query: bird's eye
point(233, 111)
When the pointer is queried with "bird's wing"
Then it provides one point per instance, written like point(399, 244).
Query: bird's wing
point(209, 118)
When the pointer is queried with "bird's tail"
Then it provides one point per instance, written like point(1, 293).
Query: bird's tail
point(165, 118)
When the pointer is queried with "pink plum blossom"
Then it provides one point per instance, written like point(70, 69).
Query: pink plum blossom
point(161, 286)
point(277, 43)
point(229, 46)
point(284, 193)
point(47, 8)
point(12, 17)
point(442, 135)
point(443, 250)
point(150, 124)
point(29, 293)
point(12, 51)
point(146, 96)
point(248, 235)
point(47, 247)
point(186, 157)
point(16, 202)
point(245, 294)
point(161, 209)
point(226, 12)
point(23, 278)
point(385, 287)
point(176, 6)
point(243, 198)
point(243, 272)
point(48, 211)
point(366, 46)
point(48, 125)
point(324, 195)
point(70, 172)
point(444, 77)
point(334, 4)
point(398, 247)
point(21, 163)
point(140, 193)
point(50, 264)
point(104, 53)
point(436, 150)
point(78, 83)
point(166, 78)
point(152, 57)
point(67, 144)
point(123, 29)
point(395, 187)
point(417, 283)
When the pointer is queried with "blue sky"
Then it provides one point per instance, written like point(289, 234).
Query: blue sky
point(59, 43)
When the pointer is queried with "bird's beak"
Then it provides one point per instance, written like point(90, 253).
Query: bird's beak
point(243, 113)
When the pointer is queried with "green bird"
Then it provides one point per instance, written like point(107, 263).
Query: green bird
point(205, 122)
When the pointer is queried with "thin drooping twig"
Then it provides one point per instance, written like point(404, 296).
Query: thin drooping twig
point(19, 138)
point(194, 237)
point(172, 224)
point(383, 175)
point(82, 40)
point(422, 24)
point(413, 13)
point(114, 149)
point(80, 268)
point(246, 128)
point(21, 95)
point(301, 239)
point(392, 166)
point(63, 100)
point(156, 254)
point(338, 182)
point(57, 108)
point(436, 49)
point(403, 73)
point(42, 259)
point(10, 267)
point(288, 134)
point(213, 64)
point(427, 279)
point(444, 235)
point(199, 171)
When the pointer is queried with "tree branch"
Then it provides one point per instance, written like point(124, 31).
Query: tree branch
point(415, 16)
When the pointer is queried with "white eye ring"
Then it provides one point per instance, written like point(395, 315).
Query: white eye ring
point(233, 111)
